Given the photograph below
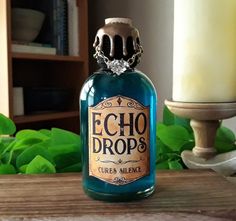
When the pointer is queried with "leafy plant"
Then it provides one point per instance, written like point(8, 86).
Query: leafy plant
point(175, 135)
point(58, 150)
point(43, 151)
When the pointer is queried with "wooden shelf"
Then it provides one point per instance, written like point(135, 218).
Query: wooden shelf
point(45, 117)
point(28, 56)
point(181, 195)
point(20, 69)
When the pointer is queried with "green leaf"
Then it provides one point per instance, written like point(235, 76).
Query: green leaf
point(8, 147)
point(183, 122)
point(175, 165)
point(64, 142)
point(66, 160)
point(162, 165)
point(174, 136)
point(60, 136)
point(188, 146)
point(62, 149)
point(225, 140)
point(4, 158)
point(7, 126)
point(46, 132)
point(225, 134)
point(27, 138)
point(40, 165)
point(7, 169)
point(22, 169)
point(223, 147)
point(30, 153)
point(7, 140)
point(73, 168)
point(173, 156)
point(24, 143)
point(160, 126)
point(10, 157)
point(162, 149)
point(168, 117)
point(31, 134)
point(2, 148)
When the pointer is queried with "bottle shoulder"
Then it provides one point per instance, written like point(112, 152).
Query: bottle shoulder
point(132, 76)
point(106, 84)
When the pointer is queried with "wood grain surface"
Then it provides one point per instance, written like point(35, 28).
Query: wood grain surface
point(180, 195)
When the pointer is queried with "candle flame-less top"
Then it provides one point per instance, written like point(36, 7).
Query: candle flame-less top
point(204, 67)
point(114, 27)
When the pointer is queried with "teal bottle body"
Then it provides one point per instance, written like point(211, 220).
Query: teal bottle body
point(118, 132)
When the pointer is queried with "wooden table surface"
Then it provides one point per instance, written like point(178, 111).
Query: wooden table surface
point(180, 195)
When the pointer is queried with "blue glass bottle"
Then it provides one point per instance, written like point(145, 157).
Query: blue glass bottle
point(118, 131)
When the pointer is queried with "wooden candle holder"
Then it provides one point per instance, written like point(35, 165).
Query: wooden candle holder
point(205, 120)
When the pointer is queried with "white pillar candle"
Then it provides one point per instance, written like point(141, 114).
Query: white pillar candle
point(204, 68)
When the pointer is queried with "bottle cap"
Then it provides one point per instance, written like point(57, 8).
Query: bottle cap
point(117, 44)
point(118, 20)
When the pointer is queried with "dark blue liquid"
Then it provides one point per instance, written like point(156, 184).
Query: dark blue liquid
point(98, 87)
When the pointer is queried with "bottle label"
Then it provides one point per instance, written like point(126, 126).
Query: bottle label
point(119, 140)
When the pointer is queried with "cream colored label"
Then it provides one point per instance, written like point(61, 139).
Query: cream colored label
point(119, 140)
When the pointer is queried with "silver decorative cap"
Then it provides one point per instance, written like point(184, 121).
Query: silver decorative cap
point(118, 32)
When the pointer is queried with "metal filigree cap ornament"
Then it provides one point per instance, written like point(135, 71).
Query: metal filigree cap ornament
point(122, 36)
point(118, 66)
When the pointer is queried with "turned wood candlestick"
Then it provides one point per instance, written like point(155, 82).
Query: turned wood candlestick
point(205, 120)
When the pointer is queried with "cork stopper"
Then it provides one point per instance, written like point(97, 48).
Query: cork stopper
point(118, 39)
